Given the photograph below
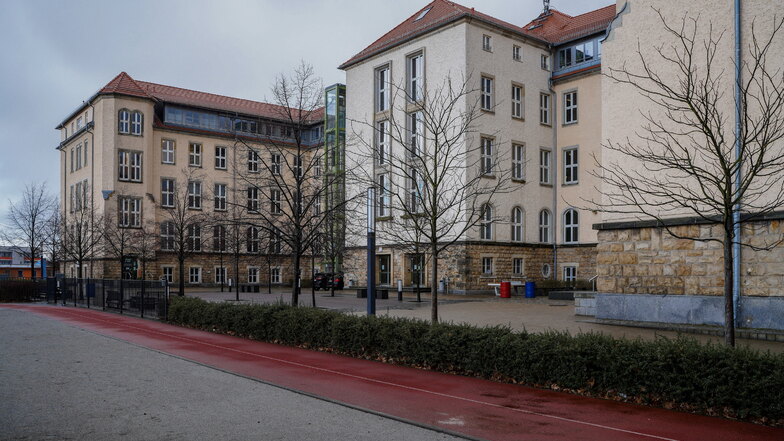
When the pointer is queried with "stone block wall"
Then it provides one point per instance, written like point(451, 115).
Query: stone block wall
point(651, 261)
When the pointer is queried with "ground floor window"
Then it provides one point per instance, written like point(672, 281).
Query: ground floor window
point(194, 274)
point(275, 275)
point(487, 266)
point(220, 274)
point(253, 274)
point(168, 273)
point(517, 265)
point(570, 273)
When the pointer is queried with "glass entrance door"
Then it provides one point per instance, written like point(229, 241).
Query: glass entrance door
point(384, 270)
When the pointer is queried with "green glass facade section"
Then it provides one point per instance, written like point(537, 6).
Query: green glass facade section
point(334, 177)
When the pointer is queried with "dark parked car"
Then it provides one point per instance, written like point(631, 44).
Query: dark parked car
point(336, 281)
point(321, 281)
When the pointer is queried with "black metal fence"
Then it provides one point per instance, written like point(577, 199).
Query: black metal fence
point(145, 298)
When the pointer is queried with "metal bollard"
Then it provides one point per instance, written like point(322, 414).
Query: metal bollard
point(399, 290)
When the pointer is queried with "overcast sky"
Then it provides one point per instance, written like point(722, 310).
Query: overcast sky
point(57, 54)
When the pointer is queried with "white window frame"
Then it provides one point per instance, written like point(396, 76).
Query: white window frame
point(518, 266)
point(275, 164)
point(486, 152)
point(517, 53)
point(545, 166)
point(545, 226)
point(486, 223)
point(130, 212)
point(416, 135)
point(219, 238)
point(194, 154)
point(136, 167)
point(167, 273)
point(86, 148)
point(253, 274)
point(487, 43)
point(518, 94)
point(253, 199)
point(193, 237)
point(518, 161)
point(570, 107)
point(194, 275)
point(275, 198)
point(518, 224)
point(569, 273)
point(78, 156)
point(167, 192)
point(382, 89)
point(137, 120)
point(194, 195)
point(544, 62)
point(416, 78)
point(220, 157)
point(220, 275)
point(383, 196)
point(167, 236)
point(253, 161)
point(220, 197)
point(382, 143)
point(275, 275)
point(544, 108)
point(297, 160)
point(487, 90)
point(124, 121)
point(488, 266)
point(252, 240)
point(123, 165)
point(570, 165)
point(571, 226)
point(167, 151)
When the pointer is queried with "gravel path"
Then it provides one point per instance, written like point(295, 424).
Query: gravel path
point(60, 382)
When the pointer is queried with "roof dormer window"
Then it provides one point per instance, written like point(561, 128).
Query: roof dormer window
point(422, 14)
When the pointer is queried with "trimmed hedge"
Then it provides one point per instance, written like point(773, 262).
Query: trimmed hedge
point(19, 290)
point(674, 373)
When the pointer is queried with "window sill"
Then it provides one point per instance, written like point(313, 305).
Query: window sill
point(194, 166)
point(384, 218)
point(569, 184)
point(194, 208)
point(545, 124)
point(487, 176)
point(518, 118)
point(167, 163)
point(518, 181)
point(566, 124)
point(542, 184)
point(490, 111)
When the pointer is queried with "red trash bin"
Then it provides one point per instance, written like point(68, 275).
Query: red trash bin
point(506, 290)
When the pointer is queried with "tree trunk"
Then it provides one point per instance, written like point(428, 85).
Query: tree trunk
point(32, 266)
point(181, 282)
point(434, 284)
point(729, 309)
point(295, 288)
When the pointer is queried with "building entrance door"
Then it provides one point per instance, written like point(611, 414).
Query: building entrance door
point(416, 269)
point(384, 270)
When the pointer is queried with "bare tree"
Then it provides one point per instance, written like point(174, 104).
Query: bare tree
point(435, 177)
point(145, 244)
point(685, 150)
point(286, 182)
point(26, 222)
point(82, 236)
point(181, 227)
point(119, 230)
point(53, 246)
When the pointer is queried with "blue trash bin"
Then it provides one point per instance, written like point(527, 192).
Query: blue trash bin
point(530, 290)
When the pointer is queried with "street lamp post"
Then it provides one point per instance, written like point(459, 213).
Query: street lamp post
point(371, 251)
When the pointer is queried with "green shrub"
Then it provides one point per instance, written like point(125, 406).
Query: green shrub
point(677, 372)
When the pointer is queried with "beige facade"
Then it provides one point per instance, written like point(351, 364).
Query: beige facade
point(100, 134)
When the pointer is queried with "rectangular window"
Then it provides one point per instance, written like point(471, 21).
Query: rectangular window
point(252, 240)
point(220, 158)
point(275, 164)
point(130, 212)
point(486, 159)
point(168, 273)
point(194, 195)
point(416, 77)
point(124, 165)
point(253, 274)
point(415, 188)
point(253, 161)
point(194, 154)
point(382, 92)
point(253, 199)
point(123, 122)
point(136, 167)
point(570, 107)
point(136, 123)
point(73, 199)
point(85, 193)
point(545, 62)
point(275, 244)
point(72, 160)
point(219, 238)
point(570, 166)
point(487, 266)
point(564, 58)
point(382, 142)
point(78, 196)
point(86, 145)
point(517, 101)
point(167, 236)
point(570, 273)
point(544, 108)
point(517, 266)
point(167, 151)
point(78, 156)
point(167, 192)
point(487, 93)
point(79, 123)
point(487, 43)
point(518, 161)
point(298, 166)
point(220, 275)
point(220, 197)
point(416, 135)
point(516, 53)
point(544, 166)
point(275, 201)
point(194, 274)
point(275, 275)
point(194, 238)
point(383, 196)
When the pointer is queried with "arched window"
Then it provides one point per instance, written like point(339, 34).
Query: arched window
point(544, 226)
point(517, 224)
point(253, 240)
point(571, 224)
point(486, 224)
point(124, 121)
point(136, 123)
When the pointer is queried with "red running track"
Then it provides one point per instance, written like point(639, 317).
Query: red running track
point(461, 405)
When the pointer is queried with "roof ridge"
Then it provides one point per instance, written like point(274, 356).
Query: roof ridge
point(146, 83)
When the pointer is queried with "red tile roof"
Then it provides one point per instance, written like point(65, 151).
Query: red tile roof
point(557, 27)
point(125, 85)
point(439, 13)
